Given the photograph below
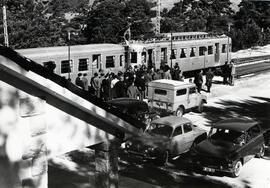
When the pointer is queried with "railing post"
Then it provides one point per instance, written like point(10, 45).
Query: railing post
point(106, 165)
point(34, 166)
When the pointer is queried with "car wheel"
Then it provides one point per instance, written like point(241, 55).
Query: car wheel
point(179, 112)
point(200, 107)
point(261, 152)
point(237, 168)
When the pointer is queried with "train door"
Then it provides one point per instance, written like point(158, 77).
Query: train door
point(150, 58)
point(217, 52)
point(96, 63)
point(163, 55)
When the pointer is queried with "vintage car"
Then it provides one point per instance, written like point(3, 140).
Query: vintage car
point(230, 144)
point(135, 108)
point(175, 97)
point(165, 138)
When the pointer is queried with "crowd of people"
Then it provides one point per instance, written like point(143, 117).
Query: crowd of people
point(133, 83)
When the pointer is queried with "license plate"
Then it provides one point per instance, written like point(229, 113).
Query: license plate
point(206, 169)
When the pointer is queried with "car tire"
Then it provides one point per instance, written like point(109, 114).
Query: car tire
point(179, 112)
point(261, 152)
point(200, 107)
point(237, 168)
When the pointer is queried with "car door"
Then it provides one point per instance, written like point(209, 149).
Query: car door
point(188, 135)
point(192, 97)
point(177, 145)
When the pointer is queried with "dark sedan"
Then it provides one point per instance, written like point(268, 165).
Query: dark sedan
point(230, 144)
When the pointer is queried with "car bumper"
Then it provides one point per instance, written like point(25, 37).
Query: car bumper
point(140, 156)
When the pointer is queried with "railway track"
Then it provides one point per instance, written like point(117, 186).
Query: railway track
point(251, 65)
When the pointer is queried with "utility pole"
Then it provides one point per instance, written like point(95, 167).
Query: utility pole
point(5, 26)
point(158, 19)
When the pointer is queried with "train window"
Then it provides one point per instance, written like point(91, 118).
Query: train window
point(192, 51)
point(66, 66)
point(133, 57)
point(96, 61)
point(160, 92)
point(224, 48)
point(110, 61)
point(202, 50)
point(163, 53)
point(181, 92)
point(183, 53)
point(50, 65)
point(210, 50)
point(83, 64)
point(122, 60)
point(174, 52)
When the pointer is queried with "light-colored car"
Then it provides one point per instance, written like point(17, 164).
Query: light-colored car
point(165, 138)
point(175, 97)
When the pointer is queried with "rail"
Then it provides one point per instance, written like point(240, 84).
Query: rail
point(252, 59)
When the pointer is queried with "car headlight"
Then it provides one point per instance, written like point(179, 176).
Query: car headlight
point(128, 144)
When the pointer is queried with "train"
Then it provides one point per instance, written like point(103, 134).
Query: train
point(192, 51)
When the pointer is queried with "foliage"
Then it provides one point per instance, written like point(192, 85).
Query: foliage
point(108, 20)
point(198, 15)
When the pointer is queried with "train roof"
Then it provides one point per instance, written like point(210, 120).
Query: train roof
point(73, 49)
point(184, 33)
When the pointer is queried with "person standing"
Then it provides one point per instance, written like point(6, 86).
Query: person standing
point(140, 83)
point(199, 80)
point(105, 88)
point(120, 87)
point(132, 91)
point(95, 84)
point(78, 80)
point(85, 82)
point(232, 73)
point(209, 75)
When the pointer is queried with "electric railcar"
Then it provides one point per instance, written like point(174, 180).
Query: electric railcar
point(79, 58)
point(191, 50)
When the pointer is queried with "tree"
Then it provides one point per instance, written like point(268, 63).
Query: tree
point(108, 20)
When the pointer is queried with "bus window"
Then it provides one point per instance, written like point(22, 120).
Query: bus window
point(66, 66)
point(110, 61)
point(224, 48)
point(50, 65)
point(83, 64)
point(183, 53)
point(210, 50)
point(192, 51)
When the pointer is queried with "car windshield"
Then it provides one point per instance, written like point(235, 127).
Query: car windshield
point(160, 129)
point(226, 135)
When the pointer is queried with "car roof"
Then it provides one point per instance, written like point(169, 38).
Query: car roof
point(171, 121)
point(235, 124)
point(173, 83)
point(129, 103)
